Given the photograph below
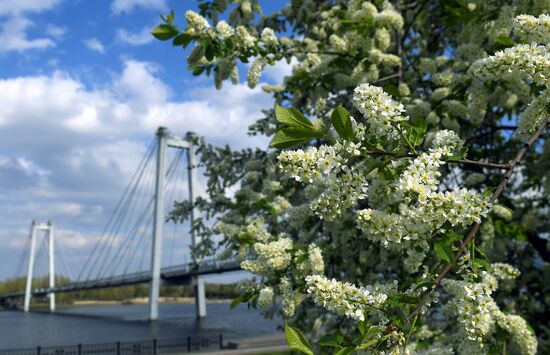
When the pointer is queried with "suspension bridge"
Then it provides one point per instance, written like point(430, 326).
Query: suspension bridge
point(137, 230)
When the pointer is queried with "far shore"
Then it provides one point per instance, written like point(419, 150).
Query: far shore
point(145, 300)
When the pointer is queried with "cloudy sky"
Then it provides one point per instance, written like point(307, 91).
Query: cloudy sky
point(83, 88)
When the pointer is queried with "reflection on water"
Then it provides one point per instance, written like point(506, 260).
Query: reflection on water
point(98, 324)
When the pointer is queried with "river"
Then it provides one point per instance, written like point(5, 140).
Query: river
point(111, 323)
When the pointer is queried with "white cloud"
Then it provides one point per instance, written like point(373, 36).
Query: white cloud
point(13, 36)
point(14, 25)
point(135, 39)
point(95, 45)
point(14, 7)
point(276, 73)
point(120, 6)
point(55, 31)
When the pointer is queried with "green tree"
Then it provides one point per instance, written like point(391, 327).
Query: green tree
point(394, 103)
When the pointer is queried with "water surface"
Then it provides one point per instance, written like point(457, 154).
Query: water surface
point(105, 324)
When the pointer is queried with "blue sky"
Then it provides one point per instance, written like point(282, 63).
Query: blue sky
point(83, 87)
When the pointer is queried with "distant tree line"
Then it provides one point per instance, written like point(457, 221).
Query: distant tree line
point(123, 293)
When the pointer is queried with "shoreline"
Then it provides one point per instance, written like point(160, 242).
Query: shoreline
point(145, 300)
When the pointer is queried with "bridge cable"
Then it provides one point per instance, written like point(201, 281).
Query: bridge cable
point(24, 256)
point(178, 187)
point(120, 222)
point(126, 236)
point(140, 239)
point(129, 237)
point(100, 241)
point(104, 237)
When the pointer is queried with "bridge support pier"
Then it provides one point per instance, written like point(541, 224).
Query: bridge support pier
point(200, 297)
point(35, 227)
point(165, 141)
point(156, 253)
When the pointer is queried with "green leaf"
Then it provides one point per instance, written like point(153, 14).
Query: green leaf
point(198, 70)
point(444, 250)
point(182, 39)
point(297, 341)
point(291, 117)
point(367, 344)
point(236, 302)
point(372, 342)
point(209, 52)
point(170, 18)
point(164, 32)
point(483, 263)
point(504, 41)
point(290, 136)
point(373, 330)
point(420, 124)
point(342, 123)
point(332, 340)
point(453, 237)
point(345, 351)
point(415, 131)
point(362, 327)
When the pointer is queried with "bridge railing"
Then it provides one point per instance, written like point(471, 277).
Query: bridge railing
point(154, 346)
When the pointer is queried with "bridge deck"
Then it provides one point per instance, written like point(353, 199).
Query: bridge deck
point(179, 274)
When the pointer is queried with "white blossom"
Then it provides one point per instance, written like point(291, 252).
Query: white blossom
point(270, 257)
point(268, 37)
point(196, 24)
point(244, 38)
point(344, 298)
point(254, 72)
point(224, 30)
point(377, 107)
point(530, 60)
point(533, 29)
point(265, 297)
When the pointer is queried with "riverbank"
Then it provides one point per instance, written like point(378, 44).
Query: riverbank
point(145, 300)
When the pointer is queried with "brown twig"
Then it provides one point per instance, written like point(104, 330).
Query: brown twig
point(459, 161)
point(388, 77)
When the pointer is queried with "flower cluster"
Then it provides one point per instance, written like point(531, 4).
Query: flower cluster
point(378, 108)
point(532, 61)
point(535, 113)
point(478, 313)
point(338, 43)
point(311, 165)
point(315, 259)
point(254, 72)
point(420, 222)
point(520, 331)
point(244, 38)
point(344, 298)
point(224, 30)
point(533, 29)
point(265, 297)
point(342, 186)
point(196, 24)
point(268, 37)
point(270, 257)
point(288, 297)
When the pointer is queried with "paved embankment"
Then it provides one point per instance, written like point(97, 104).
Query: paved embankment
point(259, 345)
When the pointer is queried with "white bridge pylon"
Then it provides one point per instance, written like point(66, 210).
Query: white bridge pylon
point(166, 140)
point(35, 228)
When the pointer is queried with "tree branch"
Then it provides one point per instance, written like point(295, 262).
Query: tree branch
point(473, 231)
point(460, 161)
